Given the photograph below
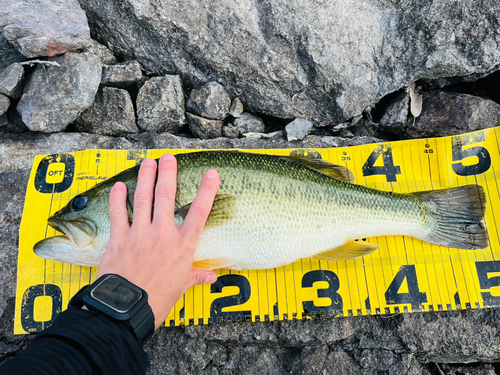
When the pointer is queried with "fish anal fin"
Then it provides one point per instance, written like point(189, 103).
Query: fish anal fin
point(338, 172)
point(212, 264)
point(349, 250)
point(222, 211)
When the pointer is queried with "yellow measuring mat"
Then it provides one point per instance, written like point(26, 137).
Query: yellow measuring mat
point(403, 275)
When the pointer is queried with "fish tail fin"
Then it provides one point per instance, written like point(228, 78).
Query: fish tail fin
point(459, 213)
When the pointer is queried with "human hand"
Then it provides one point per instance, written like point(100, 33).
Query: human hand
point(156, 254)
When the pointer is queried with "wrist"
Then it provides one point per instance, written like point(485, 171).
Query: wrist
point(118, 299)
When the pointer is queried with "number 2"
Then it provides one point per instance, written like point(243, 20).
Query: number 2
point(218, 304)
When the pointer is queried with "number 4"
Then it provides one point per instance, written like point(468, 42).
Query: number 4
point(414, 296)
point(388, 169)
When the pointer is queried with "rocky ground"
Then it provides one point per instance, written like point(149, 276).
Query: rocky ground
point(142, 74)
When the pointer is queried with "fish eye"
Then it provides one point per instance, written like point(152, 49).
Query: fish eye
point(79, 202)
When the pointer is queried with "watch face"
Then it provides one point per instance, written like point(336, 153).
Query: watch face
point(116, 294)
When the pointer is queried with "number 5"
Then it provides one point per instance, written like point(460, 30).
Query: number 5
point(459, 154)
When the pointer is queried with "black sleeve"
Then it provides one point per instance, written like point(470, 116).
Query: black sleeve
point(80, 342)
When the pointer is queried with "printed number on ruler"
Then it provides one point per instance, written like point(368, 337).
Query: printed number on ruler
point(488, 274)
point(388, 169)
point(336, 304)
point(414, 297)
point(36, 314)
point(55, 173)
point(462, 152)
point(243, 295)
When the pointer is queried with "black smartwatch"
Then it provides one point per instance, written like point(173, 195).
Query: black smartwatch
point(117, 298)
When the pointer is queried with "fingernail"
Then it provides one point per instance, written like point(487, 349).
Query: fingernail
point(118, 186)
point(167, 157)
point(211, 174)
point(210, 279)
point(149, 162)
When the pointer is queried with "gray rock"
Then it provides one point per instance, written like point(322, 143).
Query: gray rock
point(391, 344)
point(4, 119)
point(4, 104)
point(350, 345)
point(298, 129)
point(11, 79)
point(325, 61)
point(248, 123)
point(160, 105)
point(210, 101)
point(230, 131)
point(8, 53)
point(446, 113)
point(204, 128)
point(103, 52)
point(56, 95)
point(44, 27)
point(236, 109)
point(474, 369)
point(396, 113)
point(15, 123)
point(112, 113)
point(123, 75)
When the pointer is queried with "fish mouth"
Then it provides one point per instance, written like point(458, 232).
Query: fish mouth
point(76, 246)
point(80, 232)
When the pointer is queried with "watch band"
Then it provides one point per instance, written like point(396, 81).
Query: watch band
point(138, 316)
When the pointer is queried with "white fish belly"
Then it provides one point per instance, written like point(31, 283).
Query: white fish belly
point(261, 235)
point(277, 222)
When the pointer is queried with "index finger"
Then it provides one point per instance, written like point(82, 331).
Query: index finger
point(200, 208)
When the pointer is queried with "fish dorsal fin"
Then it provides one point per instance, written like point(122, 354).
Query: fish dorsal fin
point(212, 264)
point(322, 166)
point(222, 211)
point(349, 250)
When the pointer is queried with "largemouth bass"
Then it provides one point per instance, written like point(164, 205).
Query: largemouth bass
point(273, 210)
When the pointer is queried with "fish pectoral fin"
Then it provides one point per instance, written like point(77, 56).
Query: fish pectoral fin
point(130, 210)
point(322, 166)
point(222, 211)
point(349, 250)
point(211, 264)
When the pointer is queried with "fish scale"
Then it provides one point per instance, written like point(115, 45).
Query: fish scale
point(303, 214)
point(273, 210)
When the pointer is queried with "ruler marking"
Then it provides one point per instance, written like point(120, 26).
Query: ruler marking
point(361, 301)
point(433, 247)
point(277, 294)
point(440, 173)
point(408, 186)
point(421, 245)
point(400, 191)
point(346, 308)
point(465, 277)
point(469, 266)
point(488, 199)
point(382, 301)
point(473, 270)
point(358, 285)
point(268, 298)
point(427, 266)
point(270, 303)
point(461, 263)
point(258, 294)
point(493, 211)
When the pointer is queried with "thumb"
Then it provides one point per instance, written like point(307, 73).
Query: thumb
point(198, 276)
